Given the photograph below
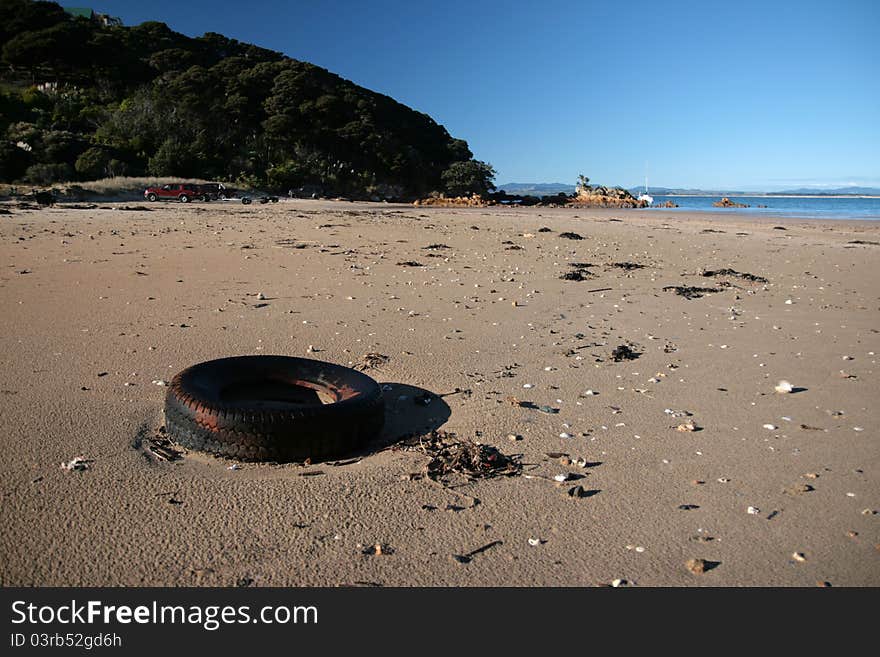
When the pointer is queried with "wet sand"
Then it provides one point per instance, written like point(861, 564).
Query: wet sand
point(97, 304)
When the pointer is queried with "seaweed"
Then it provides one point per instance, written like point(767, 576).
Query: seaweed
point(576, 275)
point(624, 352)
point(449, 455)
point(691, 292)
point(738, 274)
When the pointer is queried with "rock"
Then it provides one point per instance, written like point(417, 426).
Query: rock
point(475, 201)
point(577, 492)
point(727, 203)
point(798, 489)
point(697, 566)
point(605, 197)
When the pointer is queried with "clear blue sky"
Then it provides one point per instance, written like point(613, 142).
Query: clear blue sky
point(729, 94)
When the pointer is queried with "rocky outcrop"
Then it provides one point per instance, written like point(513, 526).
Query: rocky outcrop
point(727, 203)
point(605, 197)
point(475, 201)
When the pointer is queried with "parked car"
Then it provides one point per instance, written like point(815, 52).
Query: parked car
point(246, 200)
point(183, 192)
point(213, 191)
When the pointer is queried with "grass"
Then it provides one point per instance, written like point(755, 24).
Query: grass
point(122, 187)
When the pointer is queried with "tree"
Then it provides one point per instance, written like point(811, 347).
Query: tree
point(583, 183)
point(471, 177)
point(94, 163)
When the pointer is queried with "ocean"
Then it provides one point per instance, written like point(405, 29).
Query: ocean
point(808, 207)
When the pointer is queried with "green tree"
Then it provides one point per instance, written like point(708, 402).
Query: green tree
point(471, 177)
point(93, 163)
point(47, 173)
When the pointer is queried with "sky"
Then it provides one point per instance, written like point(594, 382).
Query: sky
point(746, 94)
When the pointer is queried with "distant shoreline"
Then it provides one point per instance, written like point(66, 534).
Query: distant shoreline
point(767, 195)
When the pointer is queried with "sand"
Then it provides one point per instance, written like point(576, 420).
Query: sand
point(97, 303)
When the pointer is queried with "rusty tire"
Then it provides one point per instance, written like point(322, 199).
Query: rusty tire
point(273, 408)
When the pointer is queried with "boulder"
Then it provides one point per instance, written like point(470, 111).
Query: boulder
point(727, 203)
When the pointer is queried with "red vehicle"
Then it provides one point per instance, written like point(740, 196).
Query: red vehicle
point(183, 192)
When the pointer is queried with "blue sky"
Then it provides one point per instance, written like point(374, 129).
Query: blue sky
point(736, 95)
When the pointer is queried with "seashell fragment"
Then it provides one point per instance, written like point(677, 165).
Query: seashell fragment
point(783, 387)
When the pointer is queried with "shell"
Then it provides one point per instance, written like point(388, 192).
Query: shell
point(783, 387)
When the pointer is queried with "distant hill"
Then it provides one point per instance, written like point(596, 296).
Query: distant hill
point(536, 189)
point(812, 191)
point(679, 191)
point(803, 191)
point(549, 189)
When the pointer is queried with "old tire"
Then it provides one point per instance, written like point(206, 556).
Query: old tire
point(270, 408)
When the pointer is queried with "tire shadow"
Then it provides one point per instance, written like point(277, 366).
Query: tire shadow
point(409, 411)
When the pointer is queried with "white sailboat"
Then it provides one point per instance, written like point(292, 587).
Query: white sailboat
point(646, 197)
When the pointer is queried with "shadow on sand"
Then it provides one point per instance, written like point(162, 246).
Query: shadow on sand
point(409, 411)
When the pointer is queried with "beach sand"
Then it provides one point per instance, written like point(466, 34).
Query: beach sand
point(98, 303)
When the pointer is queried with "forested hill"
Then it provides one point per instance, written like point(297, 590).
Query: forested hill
point(80, 100)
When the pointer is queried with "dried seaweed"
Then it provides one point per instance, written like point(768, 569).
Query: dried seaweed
point(738, 274)
point(162, 447)
point(571, 236)
point(624, 352)
point(449, 455)
point(691, 292)
point(577, 275)
point(628, 266)
point(372, 360)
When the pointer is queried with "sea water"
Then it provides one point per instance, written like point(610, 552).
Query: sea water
point(809, 207)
